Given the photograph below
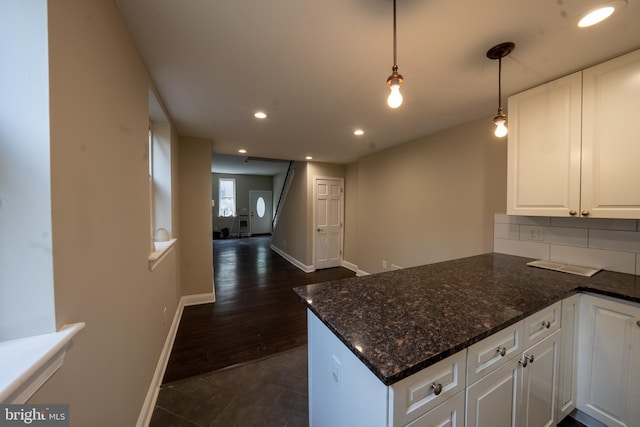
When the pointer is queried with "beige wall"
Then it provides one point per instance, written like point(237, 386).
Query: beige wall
point(290, 234)
point(427, 200)
point(351, 184)
point(196, 250)
point(101, 218)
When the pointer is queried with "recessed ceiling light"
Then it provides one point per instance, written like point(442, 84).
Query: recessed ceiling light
point(309, 158)
point(600, 13)
point(358, 132)
point(242, 151)
point(260, 115)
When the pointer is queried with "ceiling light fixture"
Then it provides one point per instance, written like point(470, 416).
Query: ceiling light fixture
point(242, 151)
point(498, 52)
point(600, 13)
point(395, 80)
point(309, 158)
point(260, 115)
point(358, 132)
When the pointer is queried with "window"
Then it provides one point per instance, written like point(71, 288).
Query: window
point(226, 197)
point(160, 198)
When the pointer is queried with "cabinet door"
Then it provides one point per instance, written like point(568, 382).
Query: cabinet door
point(543, 168)
point(493, 401)
point(568, 364)
point(447, 414)
point(539, 383)
point(610, 138)
point(608, 382)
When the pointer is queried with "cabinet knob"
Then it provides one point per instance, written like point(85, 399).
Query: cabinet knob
point(573, 213)
point(437, 388)
point(502, 351)
point(585, 213)
point(526, 360)
point(638, 323)
point(546, 324)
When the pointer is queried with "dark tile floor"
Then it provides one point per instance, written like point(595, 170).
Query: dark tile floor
point(271, 392)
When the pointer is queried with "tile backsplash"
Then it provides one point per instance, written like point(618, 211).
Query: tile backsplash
point(610, 244)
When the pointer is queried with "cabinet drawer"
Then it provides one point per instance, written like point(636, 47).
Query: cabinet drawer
point(416, 395)
point(494, 351)
point(449, 413)
point(541, 324)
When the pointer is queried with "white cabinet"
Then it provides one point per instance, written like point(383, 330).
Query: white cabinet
point(568, 364)
point(609, 361)
point(543, 166)
point(611, 138)
point(448, 414)
point(573, 144)
point(517, 388)
point(539, 383)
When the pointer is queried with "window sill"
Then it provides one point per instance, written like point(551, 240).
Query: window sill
point(27, 363)
point(162, 250)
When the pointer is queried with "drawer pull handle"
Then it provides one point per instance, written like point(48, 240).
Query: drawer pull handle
point(437, 388)
point(546, 324)
point(526, 360)
point(502, 351)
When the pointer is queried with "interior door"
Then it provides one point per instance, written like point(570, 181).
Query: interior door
point(328, 218)
point(260, 203)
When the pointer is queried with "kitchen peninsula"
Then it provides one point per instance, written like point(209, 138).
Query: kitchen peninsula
point(369, 336)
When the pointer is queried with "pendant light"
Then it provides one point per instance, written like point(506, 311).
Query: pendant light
point(498, 52)
point(395, 79)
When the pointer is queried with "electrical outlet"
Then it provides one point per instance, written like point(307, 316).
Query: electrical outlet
point(535, 233)
point(336, 371)
point(384, 264)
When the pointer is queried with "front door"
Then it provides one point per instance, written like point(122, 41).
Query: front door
point(328, 217)
point(260, 203)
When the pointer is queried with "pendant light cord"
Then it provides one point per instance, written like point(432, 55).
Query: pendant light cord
point(500, 85)
point(395, 59)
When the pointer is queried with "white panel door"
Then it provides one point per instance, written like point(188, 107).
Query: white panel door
point(328, 217)
point(493, 401)
point(608, 383)
point(611, 138)
point(540, 379)
point(260, 203)
point(543, 168)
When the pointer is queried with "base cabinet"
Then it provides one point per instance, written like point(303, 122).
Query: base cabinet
point(493, 400)
point(448, 414)
point(609, 361)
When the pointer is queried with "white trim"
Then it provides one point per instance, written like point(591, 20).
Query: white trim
point(144, 418)
point(292, 260)
point(162, 249)
point(350, 266)
point(27, 363)
point(198, 299)
point(360, 273)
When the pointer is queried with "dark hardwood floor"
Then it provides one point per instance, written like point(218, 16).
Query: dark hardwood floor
point(256, 313)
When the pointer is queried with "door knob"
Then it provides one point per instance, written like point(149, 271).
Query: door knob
point(319, 230)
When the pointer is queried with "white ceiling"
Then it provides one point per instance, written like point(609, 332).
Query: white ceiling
point(318, 68)
point(245, 165)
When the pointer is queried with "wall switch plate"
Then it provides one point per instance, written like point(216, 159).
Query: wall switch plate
point(336, 371)
point(384, 264)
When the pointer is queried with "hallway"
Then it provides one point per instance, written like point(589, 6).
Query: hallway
point(256, 316)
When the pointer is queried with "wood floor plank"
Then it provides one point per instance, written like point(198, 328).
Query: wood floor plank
point(256, 313)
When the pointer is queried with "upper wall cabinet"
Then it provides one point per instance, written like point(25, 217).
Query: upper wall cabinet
point(574, 144)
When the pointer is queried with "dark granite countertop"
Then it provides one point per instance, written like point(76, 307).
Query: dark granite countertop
point(400, 322)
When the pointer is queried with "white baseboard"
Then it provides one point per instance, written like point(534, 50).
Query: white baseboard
point(350, 266)
point(152, 394)
point(198, 299)
point(292, 260)
point(360, 273)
